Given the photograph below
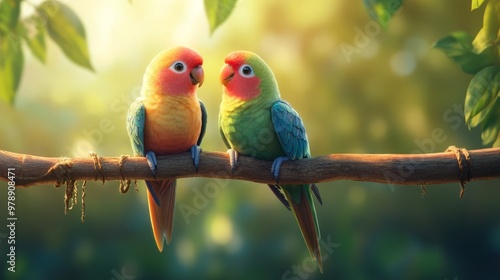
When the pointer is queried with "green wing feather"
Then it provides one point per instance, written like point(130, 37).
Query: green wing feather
point(135, 126)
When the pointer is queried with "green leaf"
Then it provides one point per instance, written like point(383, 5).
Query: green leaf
point(483, 41)
point(218, 11)
point(476, 4)
point(458, 47)
point(33, 31)
point(491, 124)
point(66, 29)
point(497, 142)
point(11, 67)
point(481, 95)
point(9, 12)
point(491, 23)
point(382, 10)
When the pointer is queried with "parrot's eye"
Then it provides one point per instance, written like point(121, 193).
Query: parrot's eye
point(246, 71)
point(178, 66)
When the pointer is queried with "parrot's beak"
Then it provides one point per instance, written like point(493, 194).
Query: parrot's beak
point(226, 74)
point(197, 76)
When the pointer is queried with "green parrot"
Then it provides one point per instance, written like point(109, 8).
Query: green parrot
point(254, 121)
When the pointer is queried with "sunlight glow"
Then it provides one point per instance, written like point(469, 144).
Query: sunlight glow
point(221, 230)
point(403, 63)
point(186, 251)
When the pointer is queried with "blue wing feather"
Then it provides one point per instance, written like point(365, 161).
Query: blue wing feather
point(290, 130)
point(135, 126)
point(293, 139)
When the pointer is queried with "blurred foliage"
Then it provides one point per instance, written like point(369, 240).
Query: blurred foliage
point(475, 56)
point(383, 10)
point(63, 26)
point(458, 47)
point(476, 4)
point(65, 29)
point(391, 97)
point(11, 67)
point(218, 11)
point(481, 104)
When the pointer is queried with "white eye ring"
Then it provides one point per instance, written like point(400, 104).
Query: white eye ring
point(246, 71)
point(178, 67)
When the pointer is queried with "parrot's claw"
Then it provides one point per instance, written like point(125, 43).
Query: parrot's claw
point(233, 159)
point(275, 168)
point(153, 164)
point(195, 155)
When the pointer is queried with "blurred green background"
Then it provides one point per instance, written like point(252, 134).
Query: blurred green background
point(386, 97)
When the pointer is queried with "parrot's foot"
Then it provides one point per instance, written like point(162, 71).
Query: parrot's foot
point(153, 164)
point(275, 168)
point(195, 155)
point(233, 159)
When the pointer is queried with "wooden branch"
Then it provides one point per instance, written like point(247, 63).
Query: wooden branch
point(411, 169)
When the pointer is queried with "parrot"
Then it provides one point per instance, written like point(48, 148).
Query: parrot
point(167, 118)
point(254, 121)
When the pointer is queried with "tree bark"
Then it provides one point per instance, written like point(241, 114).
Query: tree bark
point(458, 165)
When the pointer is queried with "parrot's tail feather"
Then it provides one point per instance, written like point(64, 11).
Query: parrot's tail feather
point(306, 217)
point(280, 195)
point(315, 190)
point(162, 215)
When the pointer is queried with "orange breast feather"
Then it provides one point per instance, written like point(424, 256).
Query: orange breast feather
point(173, 124)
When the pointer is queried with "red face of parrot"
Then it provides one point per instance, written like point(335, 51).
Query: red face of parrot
point(177, 71)
point(238, 77)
